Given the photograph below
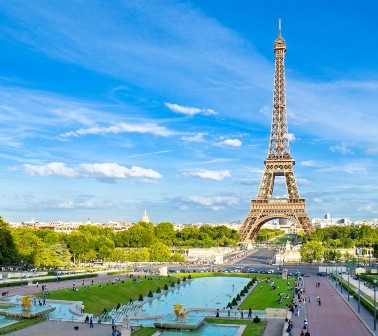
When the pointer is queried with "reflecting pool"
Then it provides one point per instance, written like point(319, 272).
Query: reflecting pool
point(207, 292)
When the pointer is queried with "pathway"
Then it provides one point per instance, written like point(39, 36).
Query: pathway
point(334, 317)
point(56, 328)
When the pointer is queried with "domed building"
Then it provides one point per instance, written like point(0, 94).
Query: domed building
point(145, 218)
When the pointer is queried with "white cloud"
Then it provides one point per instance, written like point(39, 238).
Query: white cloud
point(122, 128)
point(310, 163)
point(366, 208)
point(194, 138)
point(302, 181)
point(350, 168)
point(231, 142)
point(214, 175)
point(342, 148)
point(318, 200)
point(95, 170)
point(51, 169)
point(291, 137)
point(191, 111)
point(215, 203)
point(372, 150)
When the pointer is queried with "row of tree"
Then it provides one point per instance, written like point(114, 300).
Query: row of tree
point(344, 236)
point(141, 242)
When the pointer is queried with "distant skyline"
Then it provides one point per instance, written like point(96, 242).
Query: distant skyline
point(108, 108)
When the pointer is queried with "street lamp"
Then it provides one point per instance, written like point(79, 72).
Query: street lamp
point(375, 308)
point(341, 280)
point(359, 292)
point(348, 283)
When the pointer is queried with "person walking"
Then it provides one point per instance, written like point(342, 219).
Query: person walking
point(91, 322)
point(249, 313)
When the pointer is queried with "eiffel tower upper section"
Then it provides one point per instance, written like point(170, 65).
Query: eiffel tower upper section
point(279, 142)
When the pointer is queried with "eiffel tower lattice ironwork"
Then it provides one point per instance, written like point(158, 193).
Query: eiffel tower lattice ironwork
point(278, 163)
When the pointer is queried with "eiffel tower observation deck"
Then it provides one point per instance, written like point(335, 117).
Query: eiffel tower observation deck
point(278, 163)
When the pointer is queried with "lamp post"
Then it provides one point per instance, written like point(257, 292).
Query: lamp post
point(375, 308)
point(359, 292)
point(341, 280)
point(348, 284)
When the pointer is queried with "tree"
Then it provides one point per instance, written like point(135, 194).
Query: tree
point(311, 251)
point(165, 232)
point(28, 245)
point(78, 245)
point(141, 235)
point(159, 252)
point(8, 251)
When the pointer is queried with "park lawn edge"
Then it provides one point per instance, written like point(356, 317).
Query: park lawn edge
point(20, 325)
point(252, 329)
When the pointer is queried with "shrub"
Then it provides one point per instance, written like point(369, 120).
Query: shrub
point(158, 290)
point(165, 287)
point(238, 297)
point(118, 305)
point(184, 279)
point(234, 302)
point(150, 294)
point(172, 284)
point(131, 301)
point(140, 297)
point(189, 276)
point(256, 319)
point(178, 281)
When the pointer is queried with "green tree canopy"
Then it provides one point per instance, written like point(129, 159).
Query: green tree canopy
point(311, 251)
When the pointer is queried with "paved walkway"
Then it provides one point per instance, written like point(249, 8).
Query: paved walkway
point(334, 317)
point(56, 328)
point(274, 327)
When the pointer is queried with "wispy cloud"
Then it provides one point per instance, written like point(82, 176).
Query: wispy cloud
point(215, 203)
point(291, 137)
point(121, 128)
point(214, 175)
point(152, 153)
point(343, 148)
point(95, 170)
point(199, 137)
point(191, 111)
point(231, 143)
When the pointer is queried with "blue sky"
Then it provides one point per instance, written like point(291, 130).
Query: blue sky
point(108, 108)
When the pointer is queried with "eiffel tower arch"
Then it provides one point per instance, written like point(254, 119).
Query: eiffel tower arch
point(278, 163)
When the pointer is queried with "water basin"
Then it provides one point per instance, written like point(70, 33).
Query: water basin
point(207, 292)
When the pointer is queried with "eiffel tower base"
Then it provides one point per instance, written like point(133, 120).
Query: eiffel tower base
point(263, 211)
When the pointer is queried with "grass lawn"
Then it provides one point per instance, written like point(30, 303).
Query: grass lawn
point(96, 299)
point(20, 325)
point(253, 329)
point(263, 297)
point(145, 331)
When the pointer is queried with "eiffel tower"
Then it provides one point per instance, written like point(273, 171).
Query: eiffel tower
point(278, 163)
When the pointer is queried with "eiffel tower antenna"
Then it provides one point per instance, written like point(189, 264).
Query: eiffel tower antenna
point(278, 163)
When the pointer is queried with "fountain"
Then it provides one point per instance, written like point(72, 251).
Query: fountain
point(181, 316)
point(179, 320)
point(26, 310)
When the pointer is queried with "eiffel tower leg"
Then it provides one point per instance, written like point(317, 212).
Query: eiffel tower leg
point(247, 228)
